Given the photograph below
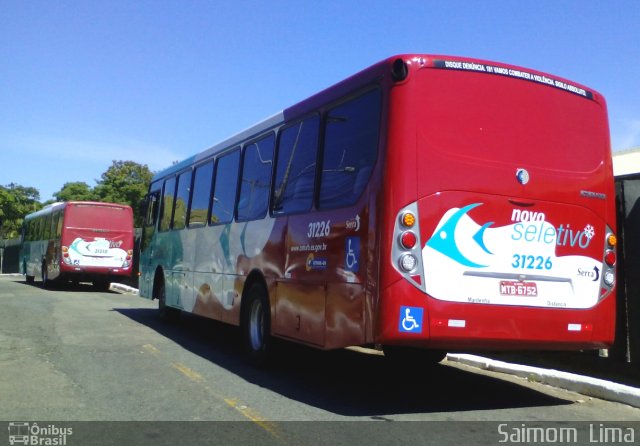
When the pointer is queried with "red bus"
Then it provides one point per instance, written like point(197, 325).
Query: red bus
point(78, 241)
point(425, 204)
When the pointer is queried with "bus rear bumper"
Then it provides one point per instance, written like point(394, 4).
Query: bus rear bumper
point(410, 317)
point(90, 273)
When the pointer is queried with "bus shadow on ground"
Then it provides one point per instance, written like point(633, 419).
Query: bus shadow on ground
point(73, 287)
point(346, 382)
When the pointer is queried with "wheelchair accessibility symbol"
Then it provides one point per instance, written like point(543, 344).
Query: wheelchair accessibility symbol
point(352, 254)
point(410, 320)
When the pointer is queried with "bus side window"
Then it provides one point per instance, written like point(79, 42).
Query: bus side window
point(59, 224)
point(182, 200)
point(54, 225)
point(202, 179)
point(225, 188)
point(39, 228)
point(257, 165)
point(296, 167)
point(46, 232)
point(152, 205)
point(350, 149)
point(168, 198)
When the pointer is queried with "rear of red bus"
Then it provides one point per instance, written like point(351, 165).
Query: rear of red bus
point(500, 210)
point(97, 241)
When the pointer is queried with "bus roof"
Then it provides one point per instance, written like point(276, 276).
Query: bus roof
point(375, 73)
point(62, 204)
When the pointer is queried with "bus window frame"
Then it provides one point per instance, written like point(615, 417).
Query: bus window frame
point(262, 137)
point(212, 162)
point(178, 176)
point(276, 157)
point(162, 204)
point(323, 141)
point(154, 198)
point(218, 158)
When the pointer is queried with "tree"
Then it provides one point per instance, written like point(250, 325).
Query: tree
point(15, 202)
point(125, 182)
point(75, 191)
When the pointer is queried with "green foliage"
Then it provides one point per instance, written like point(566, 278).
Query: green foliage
point(75, 191)
point(125, 182)
point(15, 202)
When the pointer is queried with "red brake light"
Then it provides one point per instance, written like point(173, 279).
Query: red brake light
point(610, 258)
point(408, 240)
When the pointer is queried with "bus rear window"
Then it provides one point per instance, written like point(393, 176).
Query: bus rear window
point(505, 120)
point(92, 216)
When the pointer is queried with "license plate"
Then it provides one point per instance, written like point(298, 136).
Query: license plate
point(512, 288)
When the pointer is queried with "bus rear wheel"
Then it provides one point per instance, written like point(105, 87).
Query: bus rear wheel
point(256, 326)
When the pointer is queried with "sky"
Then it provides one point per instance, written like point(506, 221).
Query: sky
point(83, 83)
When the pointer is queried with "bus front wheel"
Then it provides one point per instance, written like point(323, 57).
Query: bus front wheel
point(256, 326)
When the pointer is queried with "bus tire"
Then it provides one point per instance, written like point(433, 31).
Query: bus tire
point(256, 326)
point(165, 313)
point(413, 357)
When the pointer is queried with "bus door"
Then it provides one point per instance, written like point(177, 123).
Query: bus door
point(151, 253)
point(183, 248)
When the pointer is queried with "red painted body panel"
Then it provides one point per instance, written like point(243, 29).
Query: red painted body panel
point(493, 326)
point(457, 137)
point(454, 135)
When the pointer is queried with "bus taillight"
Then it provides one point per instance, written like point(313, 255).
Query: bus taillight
point(65, 255)
point(609, 262)
point(406, 251)
point(408, 220)
point(610, 258)
point(408, 240)
point(408, 262)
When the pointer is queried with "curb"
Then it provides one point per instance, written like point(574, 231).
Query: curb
point(585, 385)
point(123, 288)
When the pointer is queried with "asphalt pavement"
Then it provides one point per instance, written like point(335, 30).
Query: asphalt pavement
point(581, 372)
